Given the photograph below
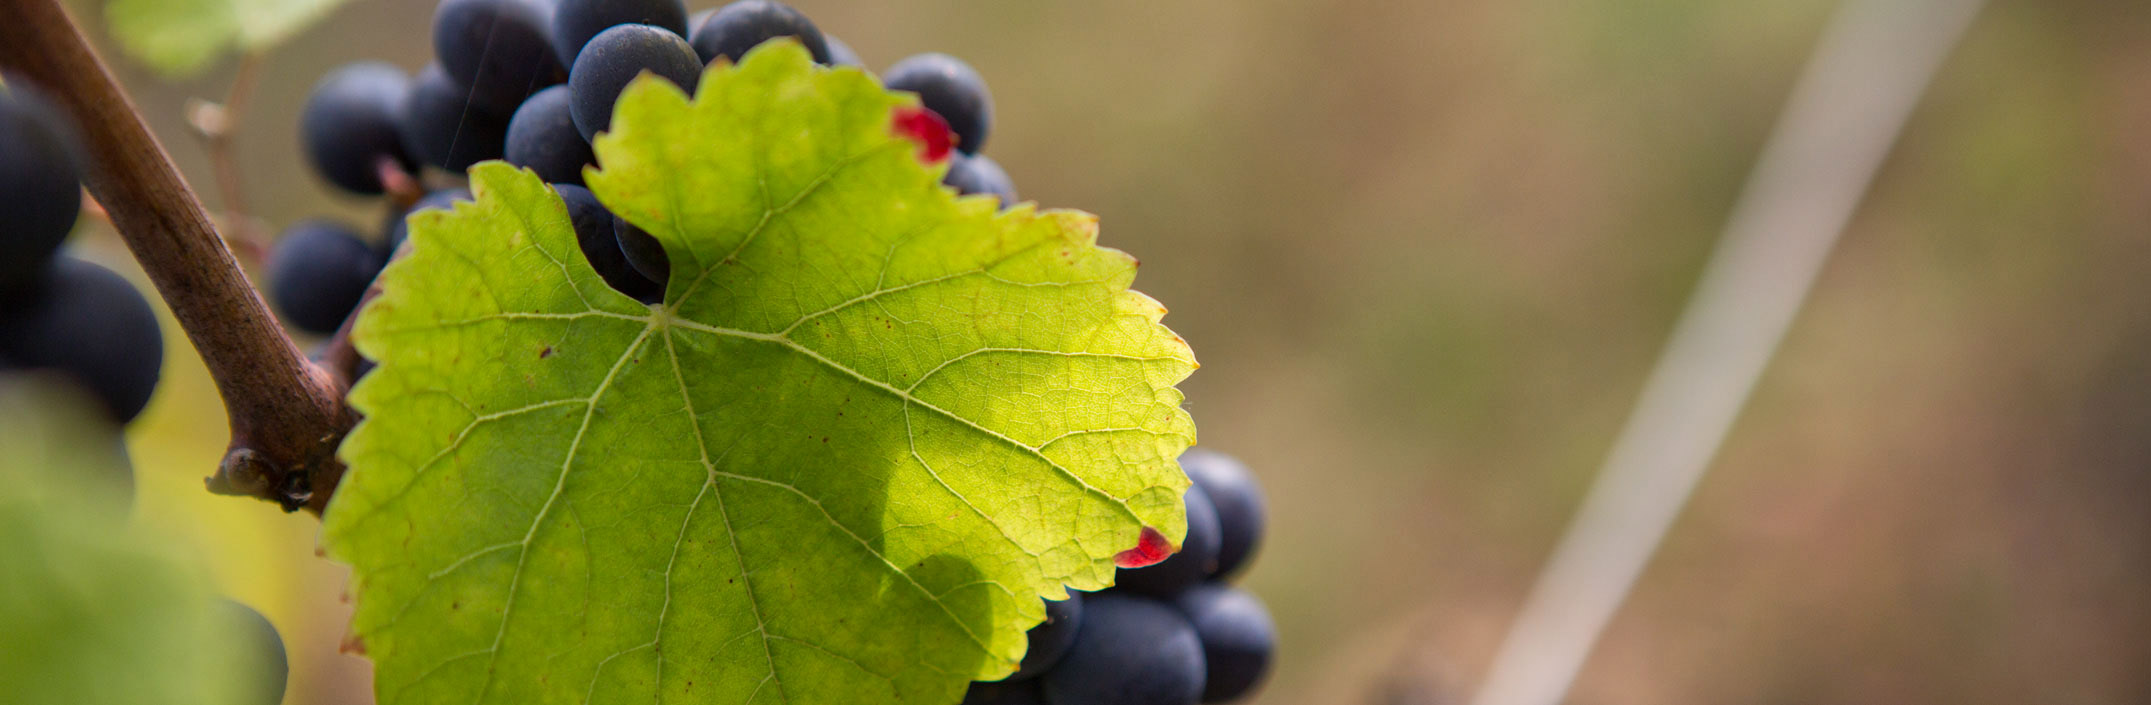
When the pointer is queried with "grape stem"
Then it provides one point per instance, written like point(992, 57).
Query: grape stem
point(338, 356)
point(216, 124)
point(287, 414)
point(402, 187)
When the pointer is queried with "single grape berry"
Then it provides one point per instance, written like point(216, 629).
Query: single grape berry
point(950, 88)
point(1237, 638)
point(399, 224)
point(89, 323)
point(576, 22)
point(542, 138)
point(318, 272)
point(350, 122)
point(594, 233)
point(1238, 499)
point(1198, 553)
point(1050, 639)
point(642, 251)
point(841, 54)
point(1009, 692)
point(616, 56)
point(501, 50)
point(744, 25)
point(978, 173)
point(40, 184)
point(254, 644)
point(443, 128)
point(1131, 650)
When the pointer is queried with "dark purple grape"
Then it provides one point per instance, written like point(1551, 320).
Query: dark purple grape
point(89, 323)
point(1238, 499)
point(950, 88)
point(542, 138)
point(1237, 638)
point(500, 50)
point(576, 22)
point(615, 57)
point(841, 54)
point(1050, 639)
point(40, 184)
point(1131, 650)
point(1004, 693)
point(642, 251)
point(594, 234)
point(350, 124)
point(444, 128)
point(978, 173)
point(744, 25)
point(318, 272)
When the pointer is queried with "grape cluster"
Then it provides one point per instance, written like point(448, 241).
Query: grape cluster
point(59, 314)
point(1172, 633)
point(532, 83)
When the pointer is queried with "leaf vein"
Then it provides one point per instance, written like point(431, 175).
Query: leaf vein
point(515, 579)
point(907, 396)
point(732, 537)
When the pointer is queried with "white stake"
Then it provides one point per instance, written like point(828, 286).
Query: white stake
point(1874, 61)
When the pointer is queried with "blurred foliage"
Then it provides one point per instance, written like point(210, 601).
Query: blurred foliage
point(180, 38)
point(95, 609)
point(1428, 251)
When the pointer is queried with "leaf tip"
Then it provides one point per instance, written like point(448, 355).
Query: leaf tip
point(931, 133)
point(1151, 549)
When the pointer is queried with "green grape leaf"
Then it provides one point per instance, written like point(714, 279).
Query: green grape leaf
point(871, 425)
point(93, 609)
point(179, 38)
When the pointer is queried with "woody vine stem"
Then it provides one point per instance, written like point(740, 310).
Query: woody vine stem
point(287, 414)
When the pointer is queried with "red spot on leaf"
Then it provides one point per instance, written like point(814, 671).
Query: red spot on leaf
point(1149, 551)
point(924, 127)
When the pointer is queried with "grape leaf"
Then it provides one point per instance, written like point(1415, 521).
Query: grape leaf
point(868, 429)
point(93, 609)
point(179, 38)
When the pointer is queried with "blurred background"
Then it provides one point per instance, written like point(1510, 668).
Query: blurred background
point(1426, 252)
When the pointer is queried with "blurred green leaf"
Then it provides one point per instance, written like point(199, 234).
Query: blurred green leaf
point(92, 608)
point(871, 426)
point(181, 37)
